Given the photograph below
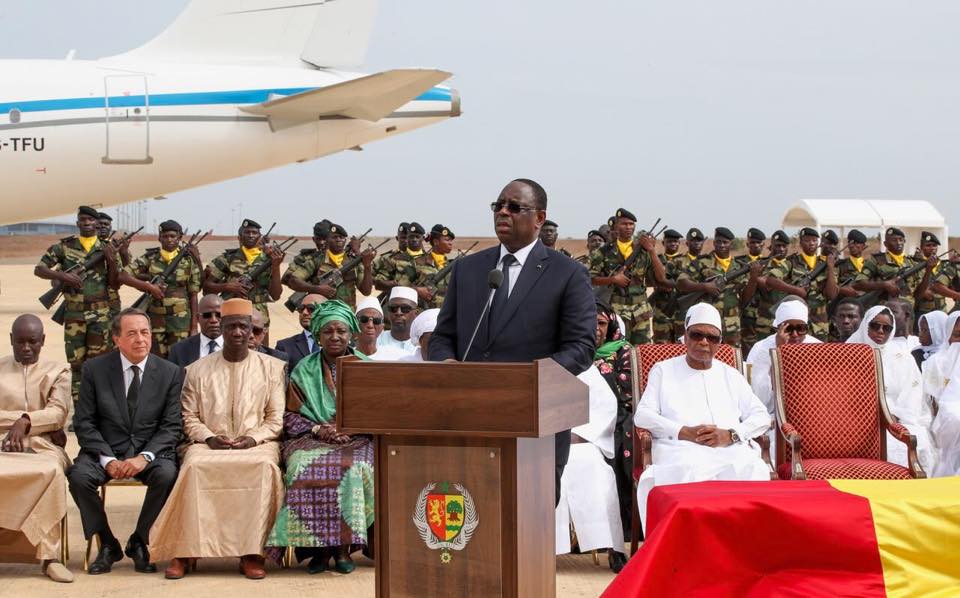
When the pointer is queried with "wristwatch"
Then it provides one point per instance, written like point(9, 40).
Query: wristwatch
point(734, 437)
point(147, 457)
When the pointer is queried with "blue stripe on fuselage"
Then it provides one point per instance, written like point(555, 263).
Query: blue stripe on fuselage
point(246, 96)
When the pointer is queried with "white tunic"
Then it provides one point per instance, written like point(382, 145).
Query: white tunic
point(943, 385)
point(386, 340)
point(678, 395)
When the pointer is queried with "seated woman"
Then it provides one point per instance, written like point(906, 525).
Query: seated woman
point(902, 386)
point(328, 508)
point(930, 328)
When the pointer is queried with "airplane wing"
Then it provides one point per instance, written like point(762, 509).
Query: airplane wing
point(368, 98)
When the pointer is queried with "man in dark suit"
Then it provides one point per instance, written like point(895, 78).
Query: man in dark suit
point(544, 308)
point(210, 339)
point(128, 423)
point(302, 344)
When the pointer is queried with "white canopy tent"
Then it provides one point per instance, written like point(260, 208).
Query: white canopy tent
point(911, 216)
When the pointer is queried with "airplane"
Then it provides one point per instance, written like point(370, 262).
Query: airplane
point(231, 87)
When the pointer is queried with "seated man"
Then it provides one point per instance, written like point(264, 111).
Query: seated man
point(33, 411)
point(370, 317)
point(210, 339)
point(701, 413)
point(402, 310)
point(128, 424)
point(230, 487)
point(302, 343)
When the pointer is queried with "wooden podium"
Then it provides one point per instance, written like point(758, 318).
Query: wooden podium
point(465, 471)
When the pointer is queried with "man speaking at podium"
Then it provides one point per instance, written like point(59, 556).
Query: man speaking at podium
point(519, 301)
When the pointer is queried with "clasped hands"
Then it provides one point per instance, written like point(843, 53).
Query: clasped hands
point(128, 468)
point(707, 435)
point(328, 433)
point(222, 443)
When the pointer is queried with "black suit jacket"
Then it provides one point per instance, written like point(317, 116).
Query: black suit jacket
point(550, 313)
point(295, 347)
point(185, 352)
point(102, 421)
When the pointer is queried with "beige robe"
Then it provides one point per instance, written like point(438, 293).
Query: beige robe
point(225, 501)
point(33, 485)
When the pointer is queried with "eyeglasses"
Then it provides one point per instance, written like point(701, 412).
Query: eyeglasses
point(308, 308)
point(795, 329)
point(377, 320)
point(257, 330)
point(713, 339)
point(512, 207)
point(878, 327)
point(209, 314)
point(399, 308)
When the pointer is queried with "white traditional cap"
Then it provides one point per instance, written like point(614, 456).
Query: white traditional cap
point(404, 293)
point(791, 310)
point(368, 303)
point(423, 323)
point(703, 313)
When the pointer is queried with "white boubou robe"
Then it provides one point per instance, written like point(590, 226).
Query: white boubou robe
point(942, 384)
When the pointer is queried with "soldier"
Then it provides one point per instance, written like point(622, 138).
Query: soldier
point(699, 276)
point(401, 270)
point(855, 268)
point(799, 275)
point(86, 323)
point(360, 277)
point(223, 274)
point(829, 243)
point(384, 266)
point(105, 231)
point(694, 242)
point(769, 297)
point(664, 297)
point(628, 285)
point(441, 244)
point(303, 273)
point(173, 303)
point(595, 240)
point(748, 315)
point(606, 229)
point(941, 277)
point(549, 235)
point(889, 264)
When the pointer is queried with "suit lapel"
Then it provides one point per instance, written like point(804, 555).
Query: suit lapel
point(116, 383)
point(533, 268)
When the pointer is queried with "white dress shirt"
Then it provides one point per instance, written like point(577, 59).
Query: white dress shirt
point(515, 268)
point(128, 375)
point(311, 344)
point(205, 344)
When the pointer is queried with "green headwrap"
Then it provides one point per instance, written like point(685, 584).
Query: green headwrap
point(320, 401)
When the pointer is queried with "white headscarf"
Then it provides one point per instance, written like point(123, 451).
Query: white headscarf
point(791, 310)
point(938, 370)
point(423, 323)
point(861, 335)
point(936, 323)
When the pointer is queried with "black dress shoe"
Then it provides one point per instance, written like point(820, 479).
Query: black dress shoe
point(616, 560)
point(137, 551)
point(106, 557)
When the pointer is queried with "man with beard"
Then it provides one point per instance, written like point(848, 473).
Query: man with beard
point(302, 344)
point(210, 339)
point(402, 310)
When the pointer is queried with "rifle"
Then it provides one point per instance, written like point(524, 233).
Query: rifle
point(437, 277)
point(685, 302)
point(295, 300)
point(810, 276)
point(248, 280)
point(265, 238)
point(349, 247)
point(873, 297)
point(161, 278)
point(81, 269)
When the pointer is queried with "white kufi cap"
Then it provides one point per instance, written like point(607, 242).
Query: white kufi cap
point(404, 293)
point(368, 303)
point(791, 310)
point(703, 313)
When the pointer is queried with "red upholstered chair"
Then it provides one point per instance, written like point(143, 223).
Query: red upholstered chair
point(832, 420)
point(642, 359)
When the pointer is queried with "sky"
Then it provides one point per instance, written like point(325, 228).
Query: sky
point(700, 112)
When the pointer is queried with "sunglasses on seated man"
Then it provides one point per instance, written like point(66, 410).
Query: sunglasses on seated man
point(209, 314)
point(377, 320)
point(695, 336)
point(401, 308)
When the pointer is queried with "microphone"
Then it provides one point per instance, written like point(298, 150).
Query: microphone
point(494, 280)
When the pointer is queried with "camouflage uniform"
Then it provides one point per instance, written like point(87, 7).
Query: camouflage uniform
point(791, 271)
point(767, 298)
point(728, 302)
point(231, 265)
point(944, 274)
point(427, 267)
point(664, 305)
point(750, 312)
point(681, 263)
point(86, 323)
point(310, 265)
point(397, 267)
point(170, 318)
point(887, 269)
point(630, 303)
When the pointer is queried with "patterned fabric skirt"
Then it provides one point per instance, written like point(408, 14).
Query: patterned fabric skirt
point(329, 499)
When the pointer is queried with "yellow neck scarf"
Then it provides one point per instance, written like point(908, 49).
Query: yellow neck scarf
point(692, 257)
point(88, 242)
point(625, 247)
point(168, 256)
point(857, 263)
point(439, 259)
point(724, 263)
point(753, 258)
point(809, 260)
point(670, 256)
point(776, 262)
point(335, 258)
point(412, 253)
point(897, 259)
point(251, 254)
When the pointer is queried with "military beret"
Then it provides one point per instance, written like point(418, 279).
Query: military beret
point(550, 223)
point(694, 234)
point(104, 216)
point(415, 227)
point(928, 237)
point(895, 232)
point(171, 225)
point(672, 234)
point(594, 233)
point(780, 237)
point(442, 231)
point(403, 228)
point(723, 233)
point(336, 229)
point(755, 234)
point(611, 221)
point(247, 223)
point(87, 211)
point(624, 213)
point(830, 236)
point(855, 236)
point(322, 228)
point(809, 232)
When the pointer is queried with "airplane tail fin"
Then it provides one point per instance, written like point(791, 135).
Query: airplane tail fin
point(324, 33)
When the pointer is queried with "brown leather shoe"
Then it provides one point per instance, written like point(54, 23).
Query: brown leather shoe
point(177, 568)
point(251, 566)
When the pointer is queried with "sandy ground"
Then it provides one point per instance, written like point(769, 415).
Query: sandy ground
point(576, 574)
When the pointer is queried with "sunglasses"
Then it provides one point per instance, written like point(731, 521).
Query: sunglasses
point(878, 327)
point(399, 308)
point(308, 308)
point(713, 339)
point(209, 314)
point(377, 320)
point(512, 207)
point(257, 330)
point(795, 329)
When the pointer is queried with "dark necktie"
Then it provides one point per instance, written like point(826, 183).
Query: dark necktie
point(133, 391)
point(500, 297)
point(212, 347)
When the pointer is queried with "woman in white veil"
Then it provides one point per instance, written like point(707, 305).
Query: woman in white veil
point(938, 372)
point(902, 385)
point(931, 327)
